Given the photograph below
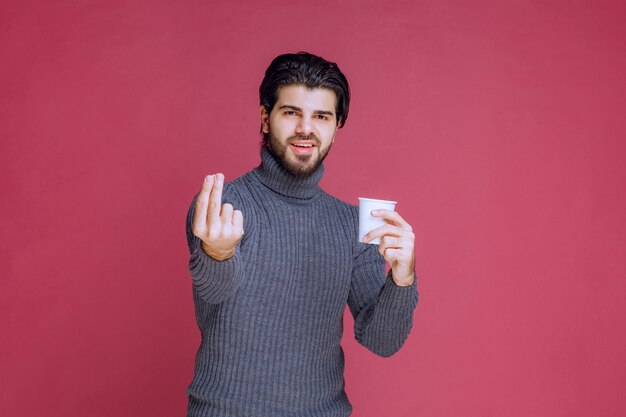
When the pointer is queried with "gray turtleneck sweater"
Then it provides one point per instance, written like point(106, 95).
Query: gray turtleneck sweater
point(270, 317)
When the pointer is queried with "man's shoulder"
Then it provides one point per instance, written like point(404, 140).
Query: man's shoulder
point(235, 183)
point(339, 204)
point(244, 181)
point(237, 187)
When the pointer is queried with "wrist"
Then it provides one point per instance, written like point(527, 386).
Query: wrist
point(217, 255)
point(403, 281)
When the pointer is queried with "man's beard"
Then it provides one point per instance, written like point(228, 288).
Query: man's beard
point(302, 167)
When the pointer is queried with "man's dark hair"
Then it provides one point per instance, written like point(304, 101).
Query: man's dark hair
point(310, 71)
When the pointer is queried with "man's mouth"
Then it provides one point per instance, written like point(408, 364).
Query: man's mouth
point(302, 147)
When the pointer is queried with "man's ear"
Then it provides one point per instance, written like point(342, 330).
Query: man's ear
point(265, 120)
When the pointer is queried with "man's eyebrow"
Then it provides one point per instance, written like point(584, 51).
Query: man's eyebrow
point(295, 108)
point(290, 107)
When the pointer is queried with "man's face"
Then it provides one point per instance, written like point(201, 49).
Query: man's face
point(301, 127)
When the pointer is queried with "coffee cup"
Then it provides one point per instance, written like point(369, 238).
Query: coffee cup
point(367, 222)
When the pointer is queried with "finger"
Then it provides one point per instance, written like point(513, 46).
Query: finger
point(388, 242)
point(238, 221)
point(391, 242)
point(215, 199)
point(393, 217)
point(202, 202)
point(383, 230)
point(227, 214)
point(393, 254)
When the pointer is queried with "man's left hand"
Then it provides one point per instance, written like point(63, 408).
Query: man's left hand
point(396, 245)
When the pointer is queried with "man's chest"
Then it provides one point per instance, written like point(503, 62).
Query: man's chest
point(305, 251)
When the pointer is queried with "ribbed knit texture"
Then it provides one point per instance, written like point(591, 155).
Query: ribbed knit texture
point(270, 317)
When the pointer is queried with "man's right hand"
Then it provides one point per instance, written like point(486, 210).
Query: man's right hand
point(218, 226)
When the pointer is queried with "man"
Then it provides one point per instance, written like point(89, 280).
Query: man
point(274, 260)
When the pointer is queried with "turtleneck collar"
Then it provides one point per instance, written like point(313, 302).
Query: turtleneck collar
point(274, 176)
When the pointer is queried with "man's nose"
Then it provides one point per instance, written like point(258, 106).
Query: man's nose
point(304, 126)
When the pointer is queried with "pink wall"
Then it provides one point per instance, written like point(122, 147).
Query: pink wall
point(499, 127)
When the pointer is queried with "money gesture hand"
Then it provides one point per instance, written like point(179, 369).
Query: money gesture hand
point(218, 225)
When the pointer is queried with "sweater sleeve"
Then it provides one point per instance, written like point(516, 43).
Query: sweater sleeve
point(382, 311)
point(215, 281)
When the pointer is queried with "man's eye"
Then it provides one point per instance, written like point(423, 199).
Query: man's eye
point(322, 117)
point(290, 113)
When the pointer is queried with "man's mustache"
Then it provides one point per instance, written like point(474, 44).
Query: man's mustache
point(298, 138)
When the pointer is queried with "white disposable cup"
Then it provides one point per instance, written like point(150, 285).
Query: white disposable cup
point(367, 222)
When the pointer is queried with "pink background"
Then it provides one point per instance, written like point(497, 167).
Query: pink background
point(498, 126)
